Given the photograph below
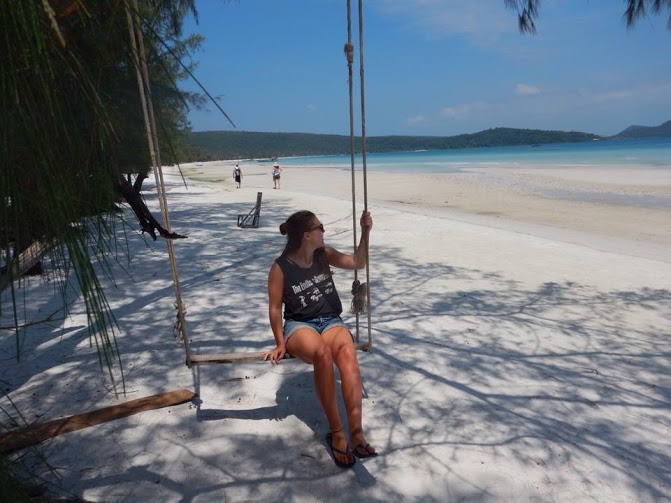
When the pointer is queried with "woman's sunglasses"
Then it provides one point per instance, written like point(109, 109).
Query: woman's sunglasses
point(320, 227)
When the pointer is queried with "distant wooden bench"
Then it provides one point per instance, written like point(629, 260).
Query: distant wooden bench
point(252, 218)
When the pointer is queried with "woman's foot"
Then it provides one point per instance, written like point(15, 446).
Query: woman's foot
point(339, 449)
point(361, 448)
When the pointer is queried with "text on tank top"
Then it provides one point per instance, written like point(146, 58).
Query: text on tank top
point(308, 292)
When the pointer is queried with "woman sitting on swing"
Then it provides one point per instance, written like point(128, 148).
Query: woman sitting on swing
point(313, 331)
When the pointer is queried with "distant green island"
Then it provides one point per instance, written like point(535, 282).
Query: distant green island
point(661, 131)
point(215, 145)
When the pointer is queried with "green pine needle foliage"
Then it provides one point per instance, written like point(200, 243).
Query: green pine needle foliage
point(71, 125)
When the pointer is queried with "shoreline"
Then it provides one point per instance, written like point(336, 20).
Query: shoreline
point(510, 197)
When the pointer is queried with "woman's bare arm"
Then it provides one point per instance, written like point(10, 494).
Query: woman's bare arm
point(275, 289)
point(357, 260)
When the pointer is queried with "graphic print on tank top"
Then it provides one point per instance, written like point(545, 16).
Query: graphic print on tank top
point(308, 293)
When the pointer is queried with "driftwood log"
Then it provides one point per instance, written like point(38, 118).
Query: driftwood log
point(34, 434)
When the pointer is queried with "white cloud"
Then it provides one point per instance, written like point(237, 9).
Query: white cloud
point(463, 110)
point(483, 20)
point(525, 89)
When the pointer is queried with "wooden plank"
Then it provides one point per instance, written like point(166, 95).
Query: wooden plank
point(225, 358)
point(255, 356)
point(34, 434)
point(27, 259)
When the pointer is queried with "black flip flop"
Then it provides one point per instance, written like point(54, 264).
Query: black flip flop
point(357, 452)
point(339, 464)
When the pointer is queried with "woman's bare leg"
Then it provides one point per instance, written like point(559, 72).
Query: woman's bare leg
point(344, 355)
point(309, 346)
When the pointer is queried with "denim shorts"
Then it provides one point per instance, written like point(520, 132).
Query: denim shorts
point(319, 325)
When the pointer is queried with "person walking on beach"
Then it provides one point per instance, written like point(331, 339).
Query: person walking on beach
point(237, 176)
point(300, 278)
point(276, 176)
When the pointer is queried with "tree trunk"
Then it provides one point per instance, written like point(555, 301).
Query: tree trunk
point(147, 221)
point(137, 186)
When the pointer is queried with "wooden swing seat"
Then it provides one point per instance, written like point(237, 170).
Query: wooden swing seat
point(254, 356)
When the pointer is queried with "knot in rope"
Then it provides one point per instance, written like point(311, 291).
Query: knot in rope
point(349, 52)
point(359, 297)
point(178, 328)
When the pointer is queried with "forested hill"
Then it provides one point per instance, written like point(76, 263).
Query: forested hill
point(212, 145)
point(663, 130)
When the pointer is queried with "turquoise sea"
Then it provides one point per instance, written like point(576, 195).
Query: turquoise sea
point(648, 152)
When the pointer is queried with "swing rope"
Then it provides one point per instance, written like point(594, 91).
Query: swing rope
point(143, 83)
point(360, 291)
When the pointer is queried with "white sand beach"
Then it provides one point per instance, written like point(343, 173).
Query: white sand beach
point(521, 345)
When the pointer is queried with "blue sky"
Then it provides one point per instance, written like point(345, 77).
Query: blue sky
point(432, 67)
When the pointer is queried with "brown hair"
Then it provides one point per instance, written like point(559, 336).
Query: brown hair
point(294, 228)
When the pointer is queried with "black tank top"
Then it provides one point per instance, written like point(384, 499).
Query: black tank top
point(308, 292)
